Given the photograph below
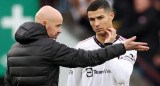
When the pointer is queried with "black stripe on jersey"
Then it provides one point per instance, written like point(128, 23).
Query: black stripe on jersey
point(121, 39)
point(117, 37)
point(98, 43)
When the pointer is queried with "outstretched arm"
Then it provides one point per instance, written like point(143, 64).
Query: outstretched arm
point(69, 57)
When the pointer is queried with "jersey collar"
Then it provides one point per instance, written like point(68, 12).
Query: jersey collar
point(100, 44)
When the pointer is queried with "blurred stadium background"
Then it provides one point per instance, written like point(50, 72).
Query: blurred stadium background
point(76, 28)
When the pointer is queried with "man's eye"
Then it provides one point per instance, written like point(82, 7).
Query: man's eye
point(91, 19)
point(58, 25)
point(100, 17)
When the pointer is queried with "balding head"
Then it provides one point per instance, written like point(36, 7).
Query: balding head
point(47, 13)
point(51, 19)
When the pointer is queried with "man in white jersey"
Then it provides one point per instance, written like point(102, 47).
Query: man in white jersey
point(115, 72)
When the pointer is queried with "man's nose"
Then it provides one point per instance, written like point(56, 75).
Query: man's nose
point(97, 22)
point(59, 30)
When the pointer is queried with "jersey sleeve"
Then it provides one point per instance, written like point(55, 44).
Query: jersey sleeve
point(122, 67)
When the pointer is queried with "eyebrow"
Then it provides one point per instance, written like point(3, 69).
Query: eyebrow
point(100, 16)
point(97, 17)
point(91, 18)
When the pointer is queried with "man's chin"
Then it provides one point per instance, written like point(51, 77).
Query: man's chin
point(55, 37)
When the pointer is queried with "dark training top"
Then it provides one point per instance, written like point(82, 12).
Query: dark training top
point(35, 58)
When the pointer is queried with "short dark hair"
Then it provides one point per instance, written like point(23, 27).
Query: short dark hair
point(98, 4)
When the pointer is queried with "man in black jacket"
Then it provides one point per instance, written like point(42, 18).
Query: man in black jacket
point(35, 58)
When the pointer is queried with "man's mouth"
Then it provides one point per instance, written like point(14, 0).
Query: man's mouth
point(98, 29)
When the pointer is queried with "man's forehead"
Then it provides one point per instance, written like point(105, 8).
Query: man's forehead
point(96, 13)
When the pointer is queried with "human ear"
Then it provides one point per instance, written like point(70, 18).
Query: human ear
point(44, 22)
point(112, 15)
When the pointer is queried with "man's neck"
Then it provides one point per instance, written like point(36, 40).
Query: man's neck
point(100, 38)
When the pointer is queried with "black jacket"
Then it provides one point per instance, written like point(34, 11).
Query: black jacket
point(35, 58)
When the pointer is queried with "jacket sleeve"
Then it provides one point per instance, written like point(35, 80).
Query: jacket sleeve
point(63, 55)
point(74, 77)
point(122, 68)
point(7, 79)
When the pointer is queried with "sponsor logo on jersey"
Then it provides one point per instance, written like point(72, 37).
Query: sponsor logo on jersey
point(91, 72)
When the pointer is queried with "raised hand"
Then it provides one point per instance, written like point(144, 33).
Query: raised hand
point(139, 46)
point(110, 35)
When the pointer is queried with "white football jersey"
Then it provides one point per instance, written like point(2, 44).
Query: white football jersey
point(115, 72)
